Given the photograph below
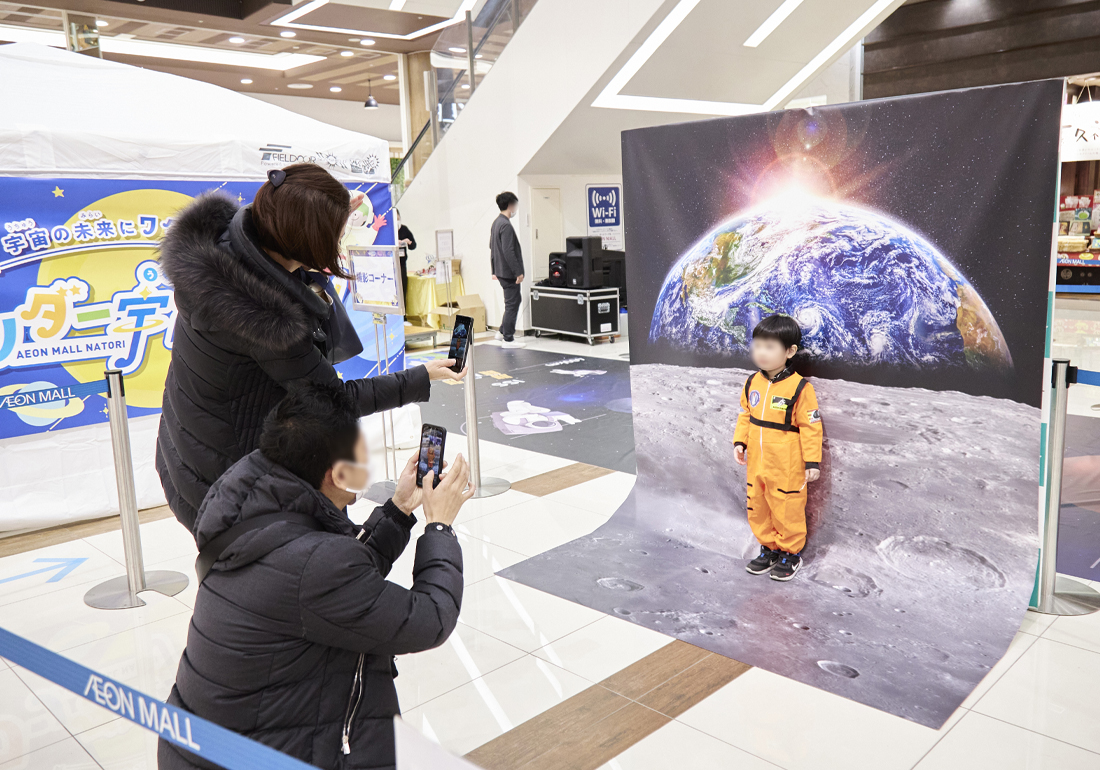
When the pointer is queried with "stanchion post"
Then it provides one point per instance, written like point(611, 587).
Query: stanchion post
point(124, 480)
point(122, 593)
point(1059, 595)
point(387, 436)
point(484, 486)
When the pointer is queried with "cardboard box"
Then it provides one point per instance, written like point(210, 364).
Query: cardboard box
point(469, 305)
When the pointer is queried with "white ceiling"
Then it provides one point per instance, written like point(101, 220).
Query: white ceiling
point(705, 56)
point(702, 69)
point(693, 58)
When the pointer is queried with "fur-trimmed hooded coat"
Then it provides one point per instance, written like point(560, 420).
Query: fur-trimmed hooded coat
point(246, 331)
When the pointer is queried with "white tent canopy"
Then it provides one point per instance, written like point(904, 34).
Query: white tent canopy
point(68, 114)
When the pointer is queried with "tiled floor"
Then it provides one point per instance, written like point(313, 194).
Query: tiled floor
point(518, 653)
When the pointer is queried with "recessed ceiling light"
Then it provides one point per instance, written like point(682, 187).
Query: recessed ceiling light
point(347, 53)
point(101, 23)
point(479, 56)
point(246, 81)
point(299, 86)
point(453, 49)
point(465, 85)
point(389, 77)
point(237, 39)
point(336, 89)
point(366, 41)
point(288, 33)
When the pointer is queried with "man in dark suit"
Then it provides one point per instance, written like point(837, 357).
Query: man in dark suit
point(507, 262)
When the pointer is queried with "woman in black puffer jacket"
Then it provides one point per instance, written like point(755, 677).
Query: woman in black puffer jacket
point(257, 313)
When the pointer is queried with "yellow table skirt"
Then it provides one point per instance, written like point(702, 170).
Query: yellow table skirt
point(426, 295)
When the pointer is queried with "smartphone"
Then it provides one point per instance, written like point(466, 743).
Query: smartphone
point(432, 440)
point(460, 342)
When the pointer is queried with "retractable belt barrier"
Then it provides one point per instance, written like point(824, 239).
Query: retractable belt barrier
point(1085, 377)
point(1057, 594)
point(184, 729)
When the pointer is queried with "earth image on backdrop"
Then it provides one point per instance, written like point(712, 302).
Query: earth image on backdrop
point(864, 289)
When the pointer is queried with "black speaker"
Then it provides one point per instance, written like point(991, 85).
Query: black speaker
point(557, 269)
point(581, 256)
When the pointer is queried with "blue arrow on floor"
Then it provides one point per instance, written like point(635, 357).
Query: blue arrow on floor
point(62, 566)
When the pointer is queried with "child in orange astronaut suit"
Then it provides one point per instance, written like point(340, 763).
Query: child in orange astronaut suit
point(778, 437)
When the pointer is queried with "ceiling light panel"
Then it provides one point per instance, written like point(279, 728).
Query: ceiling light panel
point(780, 14)
point(280, 62)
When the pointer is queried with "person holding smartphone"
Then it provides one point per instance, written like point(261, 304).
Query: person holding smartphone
point(295, 625)
point(257, 315)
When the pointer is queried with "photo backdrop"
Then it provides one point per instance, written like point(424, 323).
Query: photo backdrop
point(911, 239)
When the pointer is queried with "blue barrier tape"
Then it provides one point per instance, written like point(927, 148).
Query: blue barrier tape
point(1085, 377)
point(206, 739)
point(49, 395)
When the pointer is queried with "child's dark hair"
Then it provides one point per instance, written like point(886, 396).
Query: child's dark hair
point(779, 327)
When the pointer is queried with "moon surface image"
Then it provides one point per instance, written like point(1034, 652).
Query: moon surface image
point(922, 539)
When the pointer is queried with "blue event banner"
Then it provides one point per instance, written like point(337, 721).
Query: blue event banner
point(206, 739)
point(81, 291)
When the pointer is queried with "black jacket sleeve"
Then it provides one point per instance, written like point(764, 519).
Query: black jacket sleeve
point(345, 601)
point(387, 535)
point(373, 394)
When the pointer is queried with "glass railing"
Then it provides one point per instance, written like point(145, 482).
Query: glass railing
point(481, 40)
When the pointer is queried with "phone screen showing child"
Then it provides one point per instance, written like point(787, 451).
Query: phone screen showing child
point(432, 440)
point(460, 341)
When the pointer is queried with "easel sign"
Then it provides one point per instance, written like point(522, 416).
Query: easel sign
point(445, 245)
point(377, 284)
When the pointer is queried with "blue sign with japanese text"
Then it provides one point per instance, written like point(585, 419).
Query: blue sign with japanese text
point(603, 206)
point(605, 214)
point(81, 291)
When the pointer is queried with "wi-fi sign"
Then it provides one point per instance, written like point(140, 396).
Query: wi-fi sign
point(609, 198)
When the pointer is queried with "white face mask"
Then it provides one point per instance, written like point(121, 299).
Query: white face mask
point(358, 489)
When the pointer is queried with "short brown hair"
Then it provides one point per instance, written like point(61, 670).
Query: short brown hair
point(303, 218)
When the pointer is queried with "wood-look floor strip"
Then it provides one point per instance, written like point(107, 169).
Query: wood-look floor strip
point(597, 724)
point(655, 669)
point(684, 690)
point(602, 741)
point(65, 533)
point(559, 479)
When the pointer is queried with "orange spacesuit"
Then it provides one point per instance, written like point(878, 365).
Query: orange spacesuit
point(780, 428)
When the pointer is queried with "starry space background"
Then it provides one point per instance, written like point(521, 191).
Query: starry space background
point(973, 171)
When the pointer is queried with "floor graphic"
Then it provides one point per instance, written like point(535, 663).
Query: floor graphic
point(572, 407)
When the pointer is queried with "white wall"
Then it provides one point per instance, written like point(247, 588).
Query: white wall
point(573, 209)
point(516, 108)
point(385, 122)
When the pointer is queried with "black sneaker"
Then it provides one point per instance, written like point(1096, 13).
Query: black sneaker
point(786, 567)
point(764, 562)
